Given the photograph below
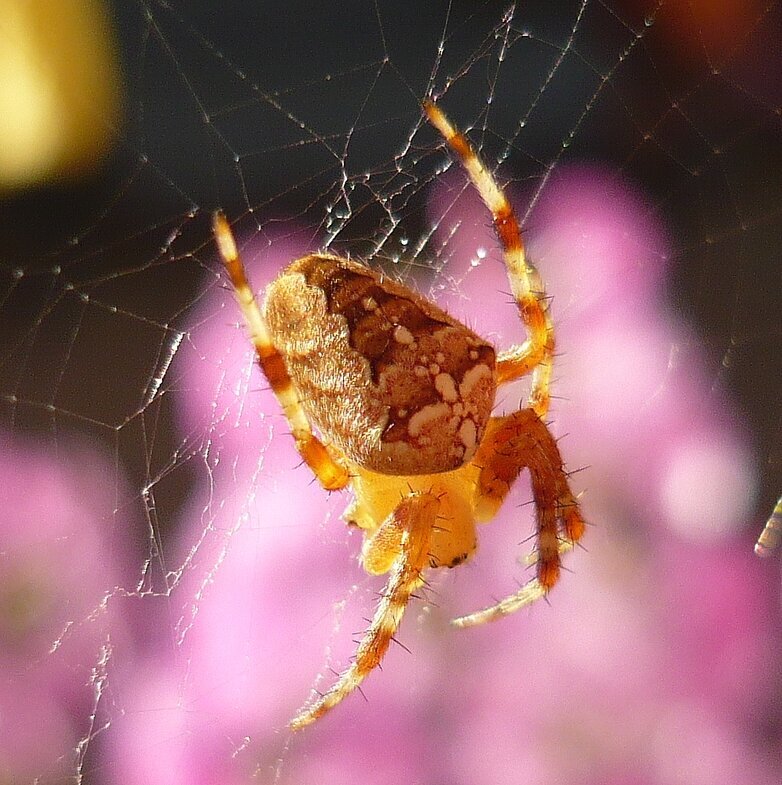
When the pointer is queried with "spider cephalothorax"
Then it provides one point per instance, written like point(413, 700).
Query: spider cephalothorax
point(401, 394)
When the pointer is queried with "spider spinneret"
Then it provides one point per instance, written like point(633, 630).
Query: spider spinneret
point(401, 394)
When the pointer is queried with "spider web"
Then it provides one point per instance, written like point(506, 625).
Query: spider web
point(173, 582)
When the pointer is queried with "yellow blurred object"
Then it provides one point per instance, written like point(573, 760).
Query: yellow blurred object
point(59, 89)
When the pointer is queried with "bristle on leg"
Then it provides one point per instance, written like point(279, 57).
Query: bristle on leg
point(414, 516)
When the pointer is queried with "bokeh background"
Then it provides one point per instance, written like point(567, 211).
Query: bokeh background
point(173, 584)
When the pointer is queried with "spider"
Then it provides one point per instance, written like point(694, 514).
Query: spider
point(401, 394)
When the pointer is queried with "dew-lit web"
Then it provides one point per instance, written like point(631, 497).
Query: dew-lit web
point(172, 582)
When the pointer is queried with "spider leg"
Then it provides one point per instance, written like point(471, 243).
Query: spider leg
point(329, 472)
point(536, 352)
point(510, 444)
point(401, 543)
point(771, 536)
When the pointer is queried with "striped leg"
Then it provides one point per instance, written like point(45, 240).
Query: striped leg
point(536, 352)
point(401, 542)
point(771, 536)
point(510, 444)
point(331, 475)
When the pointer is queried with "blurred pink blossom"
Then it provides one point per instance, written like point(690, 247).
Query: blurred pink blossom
point(62, 544)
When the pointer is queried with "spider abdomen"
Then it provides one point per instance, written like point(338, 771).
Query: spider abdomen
point(392, 380)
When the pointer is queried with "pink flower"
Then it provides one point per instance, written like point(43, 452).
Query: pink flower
point(62, 540)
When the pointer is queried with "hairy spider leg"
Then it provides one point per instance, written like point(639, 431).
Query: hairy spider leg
point(771, 536)
point(405, 536)
point(332, 475)
point(512, 443)
point(536, 352)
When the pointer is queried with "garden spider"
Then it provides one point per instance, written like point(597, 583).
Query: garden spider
point(401, 394)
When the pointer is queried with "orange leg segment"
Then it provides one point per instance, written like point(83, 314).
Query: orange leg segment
point(330, 473)
point(510, 444)
point(536, 352)
point(402, 542)
point(771, 536)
